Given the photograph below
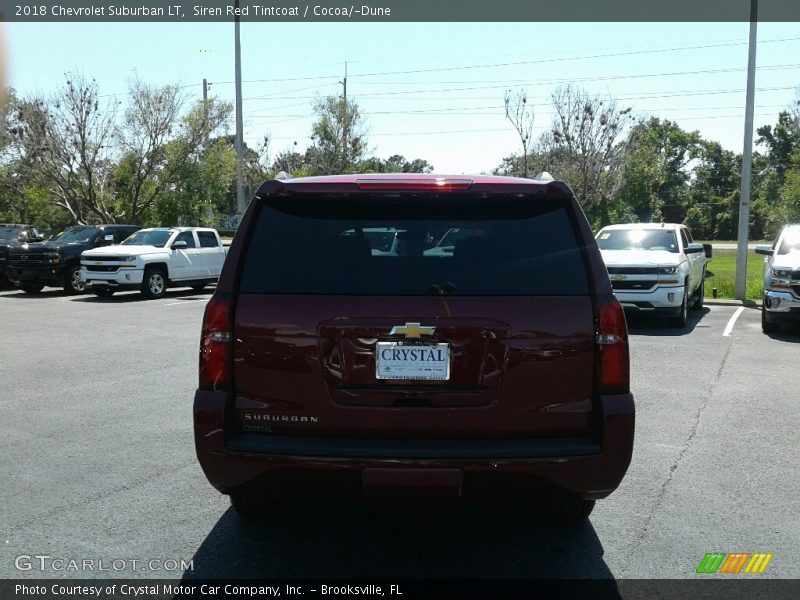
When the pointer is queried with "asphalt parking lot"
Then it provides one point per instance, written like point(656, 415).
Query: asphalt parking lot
point(98, 462)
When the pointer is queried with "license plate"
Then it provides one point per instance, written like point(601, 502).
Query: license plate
point(421, 362)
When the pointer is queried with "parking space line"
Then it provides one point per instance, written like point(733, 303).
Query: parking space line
point(732, 322)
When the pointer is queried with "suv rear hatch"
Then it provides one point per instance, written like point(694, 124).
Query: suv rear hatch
point(492, 338)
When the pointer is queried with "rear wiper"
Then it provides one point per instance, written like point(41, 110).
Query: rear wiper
point(435, 289)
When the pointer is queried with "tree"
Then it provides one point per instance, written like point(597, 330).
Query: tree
point(150, 118)
point(586, 143)
point(395, 164)
point(289, 161)
point(196, 176)
point(332, 151)
point(253, 171)
point(655, 169)
point(68, 140)
point(781, 140)
point(520, 113)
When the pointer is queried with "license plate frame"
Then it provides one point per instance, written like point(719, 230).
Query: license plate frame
point(405, 370)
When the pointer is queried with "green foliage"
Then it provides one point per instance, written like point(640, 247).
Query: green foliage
point(789, 206)
point(721, 273)
point(338, 135)
point(394, 164)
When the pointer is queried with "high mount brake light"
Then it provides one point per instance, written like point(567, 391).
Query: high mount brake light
point(613, 361)
point(216, 345)
point(440, 184)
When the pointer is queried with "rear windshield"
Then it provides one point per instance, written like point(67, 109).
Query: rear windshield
point(383, 245)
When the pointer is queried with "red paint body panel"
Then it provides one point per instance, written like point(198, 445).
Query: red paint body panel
point(518, 372)
point(522, 383)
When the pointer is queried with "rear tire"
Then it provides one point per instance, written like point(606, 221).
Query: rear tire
point(766, 325)
point(31, 289)
point(154, 283)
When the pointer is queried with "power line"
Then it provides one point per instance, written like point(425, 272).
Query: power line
point(517, 63)
point(733, 42)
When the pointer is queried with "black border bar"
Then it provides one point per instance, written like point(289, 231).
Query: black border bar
point(352, 11)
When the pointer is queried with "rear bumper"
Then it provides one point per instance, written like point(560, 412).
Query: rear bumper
point(590, 467)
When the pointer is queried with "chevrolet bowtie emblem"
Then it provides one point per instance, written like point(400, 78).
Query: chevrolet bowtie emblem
point(412, 330)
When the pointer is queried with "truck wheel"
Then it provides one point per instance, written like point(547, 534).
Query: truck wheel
point(103, 292)
point(32, 288)
point(154, 284)
point(682, 318)
point(768, 326)
point(700, 294)
point(72, 281)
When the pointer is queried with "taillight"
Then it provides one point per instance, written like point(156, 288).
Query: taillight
point(613, 362)
point(441, 184)
point(216, 345)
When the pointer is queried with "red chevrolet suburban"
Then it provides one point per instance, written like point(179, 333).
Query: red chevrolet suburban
point(481, 354)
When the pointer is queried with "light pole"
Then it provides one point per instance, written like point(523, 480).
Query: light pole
point(240, 201)
point(740, 287)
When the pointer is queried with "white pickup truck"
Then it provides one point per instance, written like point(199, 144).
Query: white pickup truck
point(655, 268)
point(150, 260)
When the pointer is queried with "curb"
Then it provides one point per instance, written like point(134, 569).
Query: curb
point(729, 302)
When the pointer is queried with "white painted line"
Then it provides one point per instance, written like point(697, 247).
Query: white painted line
point(732, 322)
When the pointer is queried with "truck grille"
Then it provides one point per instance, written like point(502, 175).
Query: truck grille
point(21, 260)
point(633, 285)
point(103, 258)
point(102, 268)
point(633, 270)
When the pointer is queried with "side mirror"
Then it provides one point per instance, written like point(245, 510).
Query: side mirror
point(765, 250)
point(694, 249)
point(708, 250)
point(179, 245)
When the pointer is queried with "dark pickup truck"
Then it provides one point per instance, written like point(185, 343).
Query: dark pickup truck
point(57, 262)
point(10, 235)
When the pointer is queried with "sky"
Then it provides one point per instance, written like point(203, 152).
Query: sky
point(427, 90)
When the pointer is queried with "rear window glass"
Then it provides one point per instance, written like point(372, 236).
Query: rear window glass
point(207, 239)
point(384, 245)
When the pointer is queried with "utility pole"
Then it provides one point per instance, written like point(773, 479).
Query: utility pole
point(740, 287)
point(205, 110)
point(240, 201)
point(346, 120)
